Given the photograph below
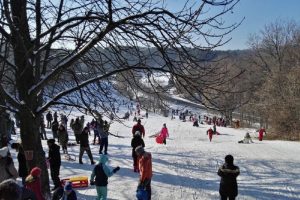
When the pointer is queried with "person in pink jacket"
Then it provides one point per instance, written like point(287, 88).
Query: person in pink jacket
point(164, 133)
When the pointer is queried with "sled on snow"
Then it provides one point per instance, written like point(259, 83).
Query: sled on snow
point(70, 157)
point(77, 181)
point(159, 139)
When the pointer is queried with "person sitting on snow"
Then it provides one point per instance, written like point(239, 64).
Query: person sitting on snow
point(247, 139)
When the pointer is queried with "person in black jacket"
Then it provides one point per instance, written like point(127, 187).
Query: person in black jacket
point(135, 142)
point(23, 171)
point(54, 161)
point(99, 176)
point(85, 146)
point(228, 185)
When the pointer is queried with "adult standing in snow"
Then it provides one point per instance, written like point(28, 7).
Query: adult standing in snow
point(77, 127)
point(63, 138)
point(210, 133)
point(54, 161)
point(104, 137)
point(33, 182)
point(54, 128)
point(228, 184)
point(23, 171)
point(135, 142)
point(99, 177)
point(49, 119)
point(145, 168)
point(138, 127)
point(164, 133)
point(7, 167)
point(261, 133)
point(85, 146)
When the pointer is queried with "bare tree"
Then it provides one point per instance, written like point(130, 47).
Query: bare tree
point(276, 56)
point(61, 52)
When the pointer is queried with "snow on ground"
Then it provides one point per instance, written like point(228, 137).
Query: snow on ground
point(186, 168)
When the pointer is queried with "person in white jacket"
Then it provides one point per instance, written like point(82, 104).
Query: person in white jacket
point(247, 139)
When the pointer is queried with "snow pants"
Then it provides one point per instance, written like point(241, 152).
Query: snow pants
point(101, 192)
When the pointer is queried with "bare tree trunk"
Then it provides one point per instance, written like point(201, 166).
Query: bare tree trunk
point(31, 142)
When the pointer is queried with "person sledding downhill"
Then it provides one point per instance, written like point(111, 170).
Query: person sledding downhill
point(100, 176)
point(210, 133)
point(138, 127)
point(135, 142)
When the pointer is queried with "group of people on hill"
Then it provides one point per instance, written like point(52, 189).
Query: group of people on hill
point(142, 161)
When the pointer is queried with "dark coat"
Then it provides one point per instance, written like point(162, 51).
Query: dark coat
point(59, 193)
point(228, 184)
point(84, 139)
point(23, 171)
point(54, 156)
point(135, 142)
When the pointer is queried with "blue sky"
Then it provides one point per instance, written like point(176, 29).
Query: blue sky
point(257, 14)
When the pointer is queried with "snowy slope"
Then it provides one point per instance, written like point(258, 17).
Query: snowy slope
point(186, 167)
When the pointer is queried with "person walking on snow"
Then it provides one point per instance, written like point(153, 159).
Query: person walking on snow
point(261, 133)
point(54, 161)
point(136, 141)
point(138, 127)
point(145, 168)
point(228, 184)
point(210, 133)
point(164, 133)
point(22, 170)
point(99, 177)
point(85, 146)
point(49, 119)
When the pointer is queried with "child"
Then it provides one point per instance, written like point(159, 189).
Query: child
point(65, 193)
point(100, 175)
point(228, 173)
point(164, 133)
point(33, 182)
point(247, 139)
point(136, 141)
point(210, 133)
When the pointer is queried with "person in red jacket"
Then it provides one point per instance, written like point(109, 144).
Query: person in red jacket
point(210, 133)
point(33, 182)
point(138, 127)
point(145, 168)
point(261, 133)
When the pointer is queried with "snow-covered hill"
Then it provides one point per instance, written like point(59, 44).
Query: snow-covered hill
point(185, 168)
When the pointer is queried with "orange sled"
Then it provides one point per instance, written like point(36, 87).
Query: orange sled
point(77, 181)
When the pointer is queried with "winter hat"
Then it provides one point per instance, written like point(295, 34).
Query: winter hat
point(139, 149)
point(68, 186)
point(3, 152)
point(139, 120)
point(36, 172)
point(103, 159)
point(229, 159)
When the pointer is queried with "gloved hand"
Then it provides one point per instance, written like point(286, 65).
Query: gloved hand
point(92, 182)
point(116, 169)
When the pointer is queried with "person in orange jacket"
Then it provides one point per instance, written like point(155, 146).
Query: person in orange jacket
point(210, 133)
point(145, 168)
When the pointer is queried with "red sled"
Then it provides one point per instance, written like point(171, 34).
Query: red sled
point(159, 139)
